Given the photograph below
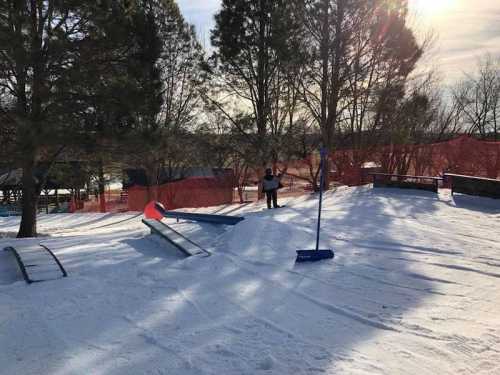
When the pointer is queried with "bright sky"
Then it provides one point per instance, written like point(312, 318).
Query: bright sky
point(466, 29)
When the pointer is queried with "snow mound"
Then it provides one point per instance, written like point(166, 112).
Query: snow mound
point(414, 288)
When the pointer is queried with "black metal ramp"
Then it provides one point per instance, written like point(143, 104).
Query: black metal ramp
point(182, 243)
point(37, 263)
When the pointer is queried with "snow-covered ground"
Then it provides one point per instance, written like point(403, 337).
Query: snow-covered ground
point(414, 289)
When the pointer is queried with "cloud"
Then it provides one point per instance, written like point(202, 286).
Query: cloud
point(465, 33)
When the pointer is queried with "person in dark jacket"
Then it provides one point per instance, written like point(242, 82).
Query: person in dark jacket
point(270, 186)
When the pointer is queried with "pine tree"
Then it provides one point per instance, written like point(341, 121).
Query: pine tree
point(255, 45)
point(162, 137)
point(56, 58)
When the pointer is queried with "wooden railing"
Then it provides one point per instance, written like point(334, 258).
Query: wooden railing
point(406, 182)
point(480, 186)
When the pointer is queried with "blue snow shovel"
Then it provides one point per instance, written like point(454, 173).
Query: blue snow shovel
point(317, 254)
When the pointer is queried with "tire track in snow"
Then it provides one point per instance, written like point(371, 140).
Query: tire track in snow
point(266, 323)
point(397, 247)
point(270, 324)
point(434, 252)
point(326, 306)
point(467, 269)
point(410, 329)
point(408, 274)
point(346, 290)
point(473, 239)
point(150, 339)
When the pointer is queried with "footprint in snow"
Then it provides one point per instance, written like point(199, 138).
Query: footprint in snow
point(267, 363)
point(224, 352)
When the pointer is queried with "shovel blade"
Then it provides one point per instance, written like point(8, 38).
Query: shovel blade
point(313, 255)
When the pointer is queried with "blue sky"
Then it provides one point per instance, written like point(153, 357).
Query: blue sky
point(466, 29)
point(200, 13)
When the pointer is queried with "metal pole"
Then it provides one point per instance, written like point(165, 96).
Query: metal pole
point(322, 179)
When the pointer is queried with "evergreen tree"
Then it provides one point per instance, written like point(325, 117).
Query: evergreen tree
point(162, 138)
point(255, 48)
point(55, 58)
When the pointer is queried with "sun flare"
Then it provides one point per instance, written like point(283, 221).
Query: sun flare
point(431, 8)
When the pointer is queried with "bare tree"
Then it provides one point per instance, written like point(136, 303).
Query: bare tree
point(361, 53)
point(478, 98)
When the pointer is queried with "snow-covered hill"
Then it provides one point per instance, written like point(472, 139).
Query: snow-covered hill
point(414, 289)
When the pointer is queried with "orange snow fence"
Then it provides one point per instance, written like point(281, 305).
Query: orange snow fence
point(190, 192)
point(463, 155)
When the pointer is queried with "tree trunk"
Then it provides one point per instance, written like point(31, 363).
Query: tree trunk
point(46, 195)
point(240, 194)
point(101, 184)
point(325, 49)
point(29, 202)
